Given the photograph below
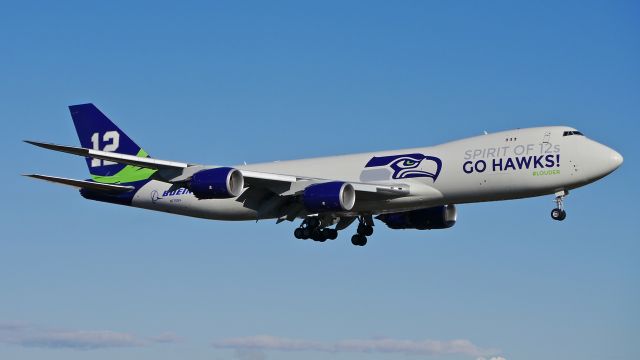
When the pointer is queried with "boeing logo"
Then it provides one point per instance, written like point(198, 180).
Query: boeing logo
point(154, 196)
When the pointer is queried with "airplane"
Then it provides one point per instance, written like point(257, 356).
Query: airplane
point(416, 188)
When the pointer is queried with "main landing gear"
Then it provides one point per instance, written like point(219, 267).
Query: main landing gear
point(311, 228)
point(558, 213)
point(316, 228)
point(365, 228)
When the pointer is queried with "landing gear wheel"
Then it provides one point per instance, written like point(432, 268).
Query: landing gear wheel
point(298, 233)
point(365, 230)
point(359, 240)
point(317, 235)
point(330, 234)
point(558, 214)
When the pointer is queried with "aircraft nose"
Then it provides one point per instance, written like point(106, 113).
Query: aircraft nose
point(603, 160)
point(616, 158)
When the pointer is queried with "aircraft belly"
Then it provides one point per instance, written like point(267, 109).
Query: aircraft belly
point(162, 196)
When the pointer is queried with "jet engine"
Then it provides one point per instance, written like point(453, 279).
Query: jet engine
point(217, 183)
point(439, 217)
point(329, 196)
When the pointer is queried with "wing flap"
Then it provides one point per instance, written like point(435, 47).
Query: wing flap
point(248, 174)
point(83, 184)
point(395, 190)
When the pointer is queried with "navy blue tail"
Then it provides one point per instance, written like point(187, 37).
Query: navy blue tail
point(97, 132)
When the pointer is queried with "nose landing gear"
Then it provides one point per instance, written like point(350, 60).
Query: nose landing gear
point(558, 213)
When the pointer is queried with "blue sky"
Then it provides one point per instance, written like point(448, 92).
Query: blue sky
point(223, 83)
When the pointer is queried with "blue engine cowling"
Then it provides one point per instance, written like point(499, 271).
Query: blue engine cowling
point(439, 217)
point(218, 183)
point(329, 196)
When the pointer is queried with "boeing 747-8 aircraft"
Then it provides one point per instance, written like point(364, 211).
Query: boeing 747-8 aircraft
point(405, 189)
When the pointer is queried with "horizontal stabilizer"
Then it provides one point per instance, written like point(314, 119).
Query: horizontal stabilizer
point(83, 184)
point(144, 162)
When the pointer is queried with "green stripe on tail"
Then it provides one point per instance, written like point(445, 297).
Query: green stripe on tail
point(128, 174)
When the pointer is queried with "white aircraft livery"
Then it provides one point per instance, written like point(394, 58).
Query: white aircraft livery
point(405, 189)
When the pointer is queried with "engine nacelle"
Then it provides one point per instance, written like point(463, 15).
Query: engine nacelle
point(329, 196)
point(218, 183)
point(439, 217)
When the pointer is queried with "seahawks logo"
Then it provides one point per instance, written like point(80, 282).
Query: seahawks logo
point(401, 167)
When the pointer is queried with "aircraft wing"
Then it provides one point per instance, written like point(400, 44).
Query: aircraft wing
point(286, 188)
point(145, 162)
point(83, 184)
point(292, 185)
point(180, 172)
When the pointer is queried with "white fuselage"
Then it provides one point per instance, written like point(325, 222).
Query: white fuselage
point(505, 165)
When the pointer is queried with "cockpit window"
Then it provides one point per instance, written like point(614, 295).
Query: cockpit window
point(573, 132)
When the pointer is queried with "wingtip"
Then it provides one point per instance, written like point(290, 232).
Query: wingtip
point(32, 142)
point(45, 145)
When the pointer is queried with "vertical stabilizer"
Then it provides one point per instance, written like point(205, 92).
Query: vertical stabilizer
point(97, 132)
